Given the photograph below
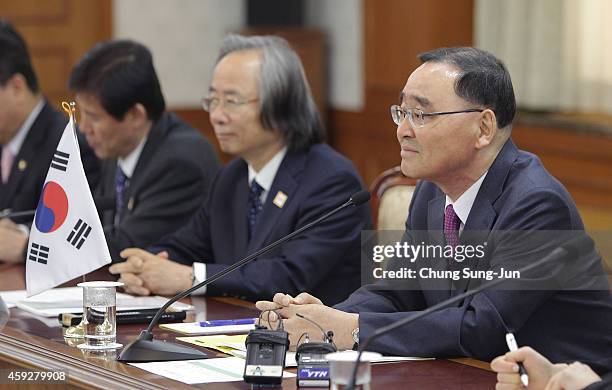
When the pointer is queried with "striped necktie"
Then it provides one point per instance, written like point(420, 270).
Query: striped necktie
point(254, 205)
point(121, 182)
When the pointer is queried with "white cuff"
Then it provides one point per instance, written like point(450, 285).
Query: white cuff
point(25, 229)
point(199, 275)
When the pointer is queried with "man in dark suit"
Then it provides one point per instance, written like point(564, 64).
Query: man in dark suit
point(157, 167)
point(262, 112)
point(454, 127)
point(29, 132)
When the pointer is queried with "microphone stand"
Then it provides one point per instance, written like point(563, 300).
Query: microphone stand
point(102, 204)
point(17, 214)
point(145, 349)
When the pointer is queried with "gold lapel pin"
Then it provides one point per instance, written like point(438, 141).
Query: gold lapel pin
point(280, 199)
point(22, 165)
point(130, 204)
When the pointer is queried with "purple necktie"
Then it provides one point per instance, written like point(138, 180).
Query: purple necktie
point(121, 182)
point(451, 226)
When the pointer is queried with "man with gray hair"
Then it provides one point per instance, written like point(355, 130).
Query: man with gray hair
point(284, 177)
point(454, 121)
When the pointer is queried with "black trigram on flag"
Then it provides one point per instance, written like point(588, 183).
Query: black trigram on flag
point(79, 233)
point(60, 160)
point(39, 253)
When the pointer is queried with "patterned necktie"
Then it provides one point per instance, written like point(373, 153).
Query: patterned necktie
point(7, 163)
point(451, 226)
point(254, 205)
point(120, 185)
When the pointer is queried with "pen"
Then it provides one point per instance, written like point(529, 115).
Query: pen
point(512, 346)
point(242, 321)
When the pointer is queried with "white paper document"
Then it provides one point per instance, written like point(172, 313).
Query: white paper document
point(291, 362)
point(200, 371)
point(70, 300)
point(235, 345)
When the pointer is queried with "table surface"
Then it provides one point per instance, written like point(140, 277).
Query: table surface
point(26, 341)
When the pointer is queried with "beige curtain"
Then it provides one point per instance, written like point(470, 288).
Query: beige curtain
point(559, 52)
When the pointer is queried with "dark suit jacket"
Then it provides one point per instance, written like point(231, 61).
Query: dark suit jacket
point(323, 261)
point(168, 185)
point(517, 194)
point(604, 384)
point(31, 165)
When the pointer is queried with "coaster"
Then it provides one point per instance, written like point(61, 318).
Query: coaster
point(99, 347)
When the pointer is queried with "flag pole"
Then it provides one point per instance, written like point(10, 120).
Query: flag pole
point(70, 109)
point(75, 331)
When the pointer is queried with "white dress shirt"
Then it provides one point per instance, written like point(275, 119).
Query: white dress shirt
point(14, 145)
point(128, 163)
point(463, 205)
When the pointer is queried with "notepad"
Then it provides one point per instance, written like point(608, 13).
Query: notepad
point(194, 328)
point(200, 371)
point(229, 344)
point(53, 302)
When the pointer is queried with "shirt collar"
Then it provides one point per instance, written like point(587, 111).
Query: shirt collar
point(267, 173)
point(14, 144)
point(128, 163)
point(463, 205)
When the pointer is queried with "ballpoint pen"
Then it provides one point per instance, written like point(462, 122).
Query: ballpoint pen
point(512, 346)
point(242, 321)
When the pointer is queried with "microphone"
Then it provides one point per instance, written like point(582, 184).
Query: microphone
point(102, 204)
point(145, 349)
point(571, 248)
point(16, 214)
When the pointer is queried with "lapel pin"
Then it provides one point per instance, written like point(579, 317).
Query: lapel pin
point(130, 204)
point(280, 199)
point(22, 165)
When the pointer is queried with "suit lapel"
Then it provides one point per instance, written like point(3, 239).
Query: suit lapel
point(435, 218)
point(154, 139)
point(285, 182)
point(435, 227)
point(27, 154)
point(483, 213)
point(108, 189)
point(239, 207)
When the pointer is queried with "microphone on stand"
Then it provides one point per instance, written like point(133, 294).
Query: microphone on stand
point(571, 248)
point(102, 204)
point(145, 349)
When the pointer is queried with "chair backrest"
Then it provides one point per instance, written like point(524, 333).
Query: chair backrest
point(391, 195)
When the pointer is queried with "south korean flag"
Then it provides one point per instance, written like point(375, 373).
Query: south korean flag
point(66, 239)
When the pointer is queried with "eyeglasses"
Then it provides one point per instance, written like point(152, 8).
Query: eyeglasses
point(417, 116)
point(230, 103)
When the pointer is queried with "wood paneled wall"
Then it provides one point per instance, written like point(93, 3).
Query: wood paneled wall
point(58, 33)
point(581, 160)
point(395, 32)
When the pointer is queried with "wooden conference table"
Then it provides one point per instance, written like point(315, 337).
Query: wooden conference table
point(28, 342)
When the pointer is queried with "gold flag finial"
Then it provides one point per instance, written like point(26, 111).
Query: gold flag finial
point(70, 109)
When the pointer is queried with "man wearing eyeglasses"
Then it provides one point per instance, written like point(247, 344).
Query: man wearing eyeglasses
point(156, 167)
point(284, 177)
point(453, 126)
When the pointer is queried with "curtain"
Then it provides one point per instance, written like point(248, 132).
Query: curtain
point(558, 52)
